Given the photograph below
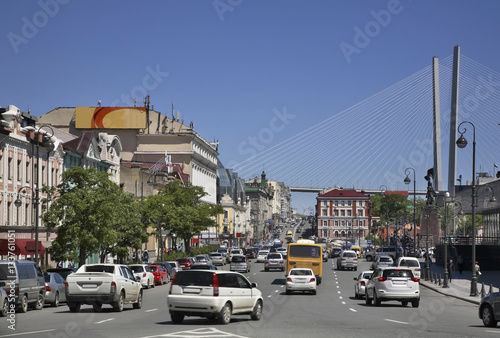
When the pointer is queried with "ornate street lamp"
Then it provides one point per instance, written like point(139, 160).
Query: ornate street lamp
point(407, 180)
point(462, 143)
point(446, 272)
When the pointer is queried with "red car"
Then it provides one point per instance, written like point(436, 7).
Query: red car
point(160, 273)
point(185, 262)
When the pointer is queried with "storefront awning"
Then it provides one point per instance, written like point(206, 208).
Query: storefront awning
point(22, 246)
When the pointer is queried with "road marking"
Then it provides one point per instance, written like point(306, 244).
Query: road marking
point(105, 320)
point(23, 333)
point(269, 296)
point(338, 286)
point(353, 309)
point(497, 332)
point(396, 321)
point(340, 297)
point(338, 292)
point(151, 310)
point(343, 303)
point(276, 290)
point(204, 332)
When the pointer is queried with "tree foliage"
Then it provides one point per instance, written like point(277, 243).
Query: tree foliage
point(93, 215)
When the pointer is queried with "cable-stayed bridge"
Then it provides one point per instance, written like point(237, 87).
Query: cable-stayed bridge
point(372, 143)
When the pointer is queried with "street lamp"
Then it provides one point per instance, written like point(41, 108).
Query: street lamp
point(462, 143)
point(446, 272)
point(407, 180)
point(38, 137)
point(383, 189)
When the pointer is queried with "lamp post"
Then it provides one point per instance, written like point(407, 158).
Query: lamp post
point(427, 265)
point(407, 180)
point(383, 189)
point(38, 137)
point(446, 272)
point(462, 143)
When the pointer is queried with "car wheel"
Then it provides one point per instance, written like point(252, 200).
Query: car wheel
point(177, 318)
point(257, 311)
point(138, 304)
point(118, 306)
point(24, 305)
point(368, 300)
point(356, 294)
point(266, 269)
point(376, 300)
point(97, 307)
point(313, 292)
point(5, 308)
point(356, 269)
point(153, 285)
point(415, 303)
point(404, 303)
point(488, 319)
point(40, 302)
point(368, 258)
point(225, 314)
point(288, 292)
point(55, 303)
point(74, 307)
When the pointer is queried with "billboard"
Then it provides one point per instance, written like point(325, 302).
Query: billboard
point(110, 118)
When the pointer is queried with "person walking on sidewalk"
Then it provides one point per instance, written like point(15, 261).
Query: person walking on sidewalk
point(451, 269)
point(460, 264)
point(477, 268)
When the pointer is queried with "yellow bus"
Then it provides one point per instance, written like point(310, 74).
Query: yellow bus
point(289, 234)
point(306, 254)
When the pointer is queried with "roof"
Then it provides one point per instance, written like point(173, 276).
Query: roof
point(343, 193)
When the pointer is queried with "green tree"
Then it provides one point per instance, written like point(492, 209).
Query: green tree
point(91, 215)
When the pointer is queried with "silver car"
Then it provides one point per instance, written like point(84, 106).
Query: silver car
point(381, 261)
point(360, 286)
point(274, 261)
point(240, 263)
point(4, 301)
point(391, 283)
point(217, 258)
point(55, 288)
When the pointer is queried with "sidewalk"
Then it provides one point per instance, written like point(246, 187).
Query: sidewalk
point(460, 285)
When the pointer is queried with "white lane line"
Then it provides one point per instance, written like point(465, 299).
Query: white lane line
point(276, 290)
point(497, 332)
point(338, 291)
point(396, 321)
point(343, 303)
point(151, 310)
point(105, 320)
point(338, 286)
point(340, 297)
point(269, 296)
point(353, 309)
point(23, 333)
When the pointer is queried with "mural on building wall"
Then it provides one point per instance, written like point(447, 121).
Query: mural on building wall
point(110, 117)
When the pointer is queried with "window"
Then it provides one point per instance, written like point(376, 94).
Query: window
point(342, 203)
point(27, 171)
point(1, 166)
point(19, 170)
point(349, 212)
point(336, 223)
point(325, 233)
point(9, 169)
point(325, 203)
point(349, 203)
point(336, 234)
point(342, 213)
point(325, 212)
point(336, 203)
point(336, 212)
point(360, 213)
point(343, 223)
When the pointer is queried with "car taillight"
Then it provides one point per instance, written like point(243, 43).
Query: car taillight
point(362, 283)
point(144, 274)
point(113, 287)
point(312, 280)
point(281, 262)
point(266, 262)
point(382, 279)
point(47, 288)
point(414, 279)
point(216, 284)
point(171, 284)
point(66, 284)
point(288, 279)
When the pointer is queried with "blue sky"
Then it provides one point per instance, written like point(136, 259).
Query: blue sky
point(235, 68)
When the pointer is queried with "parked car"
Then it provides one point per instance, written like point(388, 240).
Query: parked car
point(175, 266)
point(185, 262)
point(391, 283)
point(4, 301)
point(203, 259)
point(488, 309)
point(217, 258)
point(348, 259)
point(55, 288)
point(160, 273)
point(300, 279)
point(382, 260)
point(262, 255)
point(29, 283)
point(213, 294)
point(360, 285)
point(143, 271)
point(409, 262)
point(170, 271)
point(274, 261)
point(240, 263)
point(198, 266)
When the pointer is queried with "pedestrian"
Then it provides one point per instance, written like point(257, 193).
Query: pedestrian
point(451, 269)
point(460, 264)
point(477, 269)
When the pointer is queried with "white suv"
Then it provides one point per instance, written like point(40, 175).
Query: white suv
point(348, 259)
point(410, 262)
point(215, 294)
point(391, 283)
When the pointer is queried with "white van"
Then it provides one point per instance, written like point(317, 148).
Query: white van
point(410, 262)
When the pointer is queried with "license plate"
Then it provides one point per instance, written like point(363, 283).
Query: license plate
point(89, 286)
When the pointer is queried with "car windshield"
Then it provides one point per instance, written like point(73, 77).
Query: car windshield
point(300, 272)
point(183, 260)
point(385, 259)
point(409, 262)
point(398, 273)
point(263, 252)
point(153, 268)
point(367, 275)
point(274, 256)
point(349, 254)
point(239, 259)
point(47, 278)
point(215, 255)
point(198, 278)
point(137, 268)
point(99, 268)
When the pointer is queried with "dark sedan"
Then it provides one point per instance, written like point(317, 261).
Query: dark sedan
point(489, 309)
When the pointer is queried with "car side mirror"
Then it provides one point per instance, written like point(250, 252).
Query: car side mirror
point(254, 285)
point(137, 278)
point(355, 278)
point(2, 284)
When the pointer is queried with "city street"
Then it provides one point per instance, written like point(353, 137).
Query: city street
point(333, 312)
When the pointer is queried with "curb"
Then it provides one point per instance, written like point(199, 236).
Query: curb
point(473, 301)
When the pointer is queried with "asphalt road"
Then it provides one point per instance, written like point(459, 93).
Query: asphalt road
point(333, 312)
